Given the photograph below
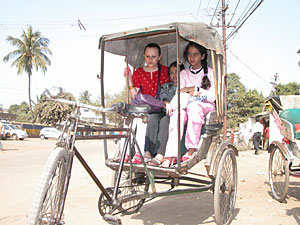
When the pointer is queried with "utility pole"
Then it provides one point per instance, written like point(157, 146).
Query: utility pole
point(274, 84)
point(224, 8)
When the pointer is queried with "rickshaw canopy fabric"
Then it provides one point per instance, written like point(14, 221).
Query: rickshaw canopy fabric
point(131, 44)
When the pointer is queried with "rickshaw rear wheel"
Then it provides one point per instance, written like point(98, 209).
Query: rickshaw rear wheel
point(48, 202)
point(278, 173)
point(225, 188)
point(137, 185)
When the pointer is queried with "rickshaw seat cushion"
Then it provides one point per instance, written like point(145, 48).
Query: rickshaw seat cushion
point(211, 125)
point(293, 116)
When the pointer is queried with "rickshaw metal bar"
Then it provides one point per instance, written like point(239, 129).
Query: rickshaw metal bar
point(165, 193)
point(220, 88)
point(150, 175)
point(91, 173)
point(178, 100)
point(117, 182)
point(212, 54)
point(224, 100)
point(102, 129)
point(127, 77)
point(100, 137)
point(201, 175)
point(102, 95)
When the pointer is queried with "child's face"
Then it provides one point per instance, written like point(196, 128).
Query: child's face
point(173, 74)
point(152, 57)
point(195, 57)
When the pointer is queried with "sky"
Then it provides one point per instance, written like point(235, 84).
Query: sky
point(266, 44)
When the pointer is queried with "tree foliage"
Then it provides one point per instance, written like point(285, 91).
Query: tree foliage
point(31, 53)
point(52, 112)
point(241, 103)
point(291, 88)
point(85, 97)
point(22, 111)
point(113, 118)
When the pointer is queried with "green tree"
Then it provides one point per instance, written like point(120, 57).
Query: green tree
point(241, 103)
point(85, 97)
point(52, 112)
point(291, 88)
point(114, 118)
point(31, 53)
point(22, 111)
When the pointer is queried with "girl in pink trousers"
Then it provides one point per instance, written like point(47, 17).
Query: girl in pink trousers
point(196, 80)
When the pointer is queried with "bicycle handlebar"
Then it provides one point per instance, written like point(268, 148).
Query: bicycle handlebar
point(121, 107)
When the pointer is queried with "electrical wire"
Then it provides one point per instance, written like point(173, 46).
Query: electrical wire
point(214, 13)
point(234, 12)
point(198, 9)
point(244, 64)
point(244, 20)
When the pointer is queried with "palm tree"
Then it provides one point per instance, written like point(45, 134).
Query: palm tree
point(31, 53)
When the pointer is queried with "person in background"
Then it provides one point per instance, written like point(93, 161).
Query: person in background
point(2, 134)
point(257, 130)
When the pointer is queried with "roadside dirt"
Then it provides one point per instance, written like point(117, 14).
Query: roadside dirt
point(21, 163)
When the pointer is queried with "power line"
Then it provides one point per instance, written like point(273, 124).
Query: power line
point(198, 9)
point(214, 13)
point(244, 20)
point(233, 12)
point(248, 67)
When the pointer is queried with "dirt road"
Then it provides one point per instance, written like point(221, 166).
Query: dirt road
point(21, 163)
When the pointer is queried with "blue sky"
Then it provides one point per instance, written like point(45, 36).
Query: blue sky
point(267, 43)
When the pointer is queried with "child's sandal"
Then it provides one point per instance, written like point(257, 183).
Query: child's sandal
point(154, 162)
point(147, 157)
point(168, 162)
point(137, 159)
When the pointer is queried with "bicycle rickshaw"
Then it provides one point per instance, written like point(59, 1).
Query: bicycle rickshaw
point(284, 152)
point(135, 183)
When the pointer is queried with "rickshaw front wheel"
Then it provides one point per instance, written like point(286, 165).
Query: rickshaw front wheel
point(278, 173)
point(48, 201)
point(225, 188)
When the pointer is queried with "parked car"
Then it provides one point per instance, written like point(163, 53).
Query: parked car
point(49, 132)
point(15, 132)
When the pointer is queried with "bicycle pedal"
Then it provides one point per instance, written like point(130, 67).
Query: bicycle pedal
point(112, 219)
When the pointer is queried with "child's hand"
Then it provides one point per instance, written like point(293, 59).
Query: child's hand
point(127, 71)
point(169, 109)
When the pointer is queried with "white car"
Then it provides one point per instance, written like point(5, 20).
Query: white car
point(15, 132)
point(49, 132)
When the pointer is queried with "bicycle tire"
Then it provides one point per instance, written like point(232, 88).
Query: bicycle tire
point(225, 189)
point(49, 190)
point(278, 173)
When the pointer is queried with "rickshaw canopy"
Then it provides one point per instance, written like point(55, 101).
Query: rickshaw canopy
point(131, 44)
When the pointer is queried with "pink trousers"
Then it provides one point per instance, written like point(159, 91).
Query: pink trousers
point(194, 115)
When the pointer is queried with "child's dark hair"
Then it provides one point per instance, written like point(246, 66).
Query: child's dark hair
point(175, 65)
point(202, 50)
point(205, 81)
point(153, 45)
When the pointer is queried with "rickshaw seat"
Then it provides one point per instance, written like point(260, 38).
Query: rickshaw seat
point(211, 125)
point(293, 116)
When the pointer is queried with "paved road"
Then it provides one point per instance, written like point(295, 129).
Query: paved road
point(22, 161)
